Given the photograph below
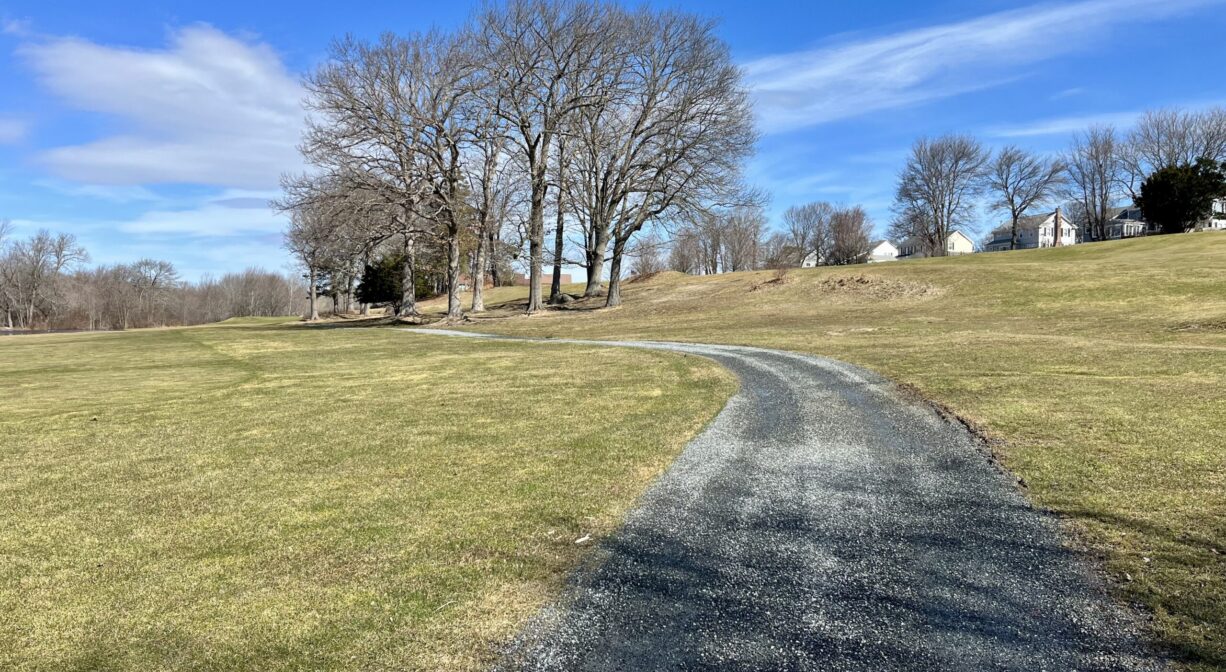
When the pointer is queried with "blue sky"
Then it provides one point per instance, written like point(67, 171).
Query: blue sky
point(159, 131)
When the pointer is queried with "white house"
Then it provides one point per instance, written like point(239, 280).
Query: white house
point(957, 243)
point(882, 250)
point(1052, 229)
point(1217, 219)
point(1126, 223)
point(811, 260)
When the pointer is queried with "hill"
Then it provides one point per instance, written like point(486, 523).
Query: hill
point(1098, 372)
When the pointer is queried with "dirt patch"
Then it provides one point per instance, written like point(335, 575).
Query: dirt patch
point(882, 289)
point(1210, 325)
point(779, 278)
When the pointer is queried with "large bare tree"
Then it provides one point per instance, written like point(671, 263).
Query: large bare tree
point(808, 230)
point(545, 61)
point(850, 232)
point(1095, 171)
point(937, 188)
point(1020, 180)
point(668, 141)
point(1170, 138)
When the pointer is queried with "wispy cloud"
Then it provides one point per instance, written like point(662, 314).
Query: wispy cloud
point(216, 219)
point(1065, 125)
point(12, 130)
point(18, 27)
point(807, 88)
point(208, 109)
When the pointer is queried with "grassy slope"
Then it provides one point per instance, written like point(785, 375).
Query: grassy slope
point(263, 496)
point(1101, 368)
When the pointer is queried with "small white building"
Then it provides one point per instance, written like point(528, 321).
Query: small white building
point(882, 250)
point(956, 244)
point(811, 260)
point(1052, 229)
point(1217, 218)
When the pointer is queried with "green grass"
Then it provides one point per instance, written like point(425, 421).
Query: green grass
point(266, 496)
point(1100, 370)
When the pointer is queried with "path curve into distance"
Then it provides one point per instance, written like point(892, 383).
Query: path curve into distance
point(825, 520)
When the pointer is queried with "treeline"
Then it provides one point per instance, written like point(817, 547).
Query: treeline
point(1170, 165)
point(741, 240)
point(537, 129)
point(44, 284)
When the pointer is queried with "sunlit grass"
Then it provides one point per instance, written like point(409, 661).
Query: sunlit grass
point(1101, 369)
point(267, 496)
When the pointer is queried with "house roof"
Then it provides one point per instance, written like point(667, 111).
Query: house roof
point(878, 243)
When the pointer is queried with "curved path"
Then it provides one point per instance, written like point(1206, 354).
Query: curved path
point(825, 521)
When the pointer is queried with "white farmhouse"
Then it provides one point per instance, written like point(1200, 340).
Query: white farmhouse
point(882, 250)
point(1126, 223)
point(1052, 229)
point(1217, 219)
point(955, 245)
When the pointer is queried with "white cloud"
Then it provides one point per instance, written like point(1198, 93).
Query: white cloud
point(812, 87)
point(12, 130)
point(212, 219)
point(1066, 125)
point(208, 109)
point(18, 27)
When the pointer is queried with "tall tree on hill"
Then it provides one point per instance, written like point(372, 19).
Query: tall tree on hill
point(1169, 138)
point(937, 188)
point(545, 62)
point(850, 233)
point(671, 141)
point(1020, 181)
point(808, 230)
point(1180, 197)
point(1095, 170)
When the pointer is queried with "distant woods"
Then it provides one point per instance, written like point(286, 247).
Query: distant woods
point(45, 284)
point(540, 133)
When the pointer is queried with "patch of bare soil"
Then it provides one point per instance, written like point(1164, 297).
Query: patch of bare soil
point(881, 289)
point(1209, 325)
point(778, 279)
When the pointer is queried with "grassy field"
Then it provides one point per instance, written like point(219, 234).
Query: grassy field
point(1100, 370)
point(267, 496)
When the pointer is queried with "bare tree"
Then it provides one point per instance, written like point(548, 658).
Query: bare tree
point(808, 230)
point(850, 232)
point(937, 187)
point(742, 239)
point(646, 256)
point(674, 141)
point(546, 60)
point(1021, 180)
point(1095, 169)
point(1170, 138)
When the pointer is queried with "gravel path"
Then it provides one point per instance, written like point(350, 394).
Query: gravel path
point(825, 521)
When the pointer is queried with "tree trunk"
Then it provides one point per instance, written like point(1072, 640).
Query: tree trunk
point(313, 307)
point(614, 297)
point(595, 262)
point(478, 277)
point(408, 290)
point(536, 242)
point(1013, 241)
point(454, 310)
point(555, 287)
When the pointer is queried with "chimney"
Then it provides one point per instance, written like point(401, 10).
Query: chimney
point(1058, 228)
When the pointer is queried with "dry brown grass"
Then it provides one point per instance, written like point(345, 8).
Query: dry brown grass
point(1100, 369)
